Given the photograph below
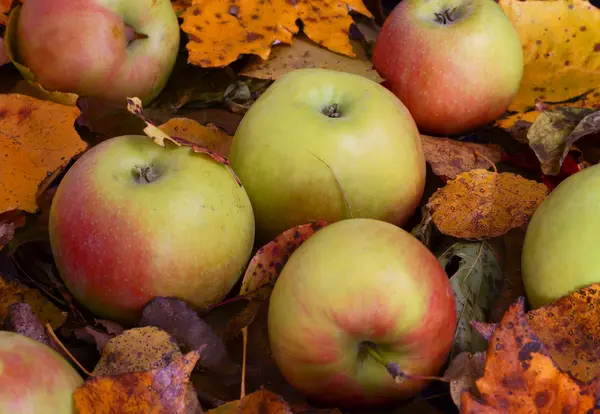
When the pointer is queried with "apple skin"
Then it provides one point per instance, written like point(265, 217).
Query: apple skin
point(454, 77)
point(373, 149)
point(118, 243)
point(34, 378)
point(80, 46)
point(560, 250)
point(360, 280)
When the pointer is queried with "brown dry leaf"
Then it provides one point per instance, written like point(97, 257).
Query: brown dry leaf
point(555, 131)
point(561, 46)
point(260, 401)
point(10, 221)
point(37, 138)
point(3, 54)
point(305, 54)
point(179, 6)
point(480, 204)
point(209, 136)
point(569, 329)
point(519, 375)
point(449, 157)
point(220, 31)
point(44, 309)
point(160, 390)
point(462, 373)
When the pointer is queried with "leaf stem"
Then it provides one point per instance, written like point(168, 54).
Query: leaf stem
point(53, 335)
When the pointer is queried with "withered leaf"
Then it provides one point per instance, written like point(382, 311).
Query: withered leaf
point(260, 401)
point(480, 204)
point(449, 157)
point(462, 373)
point(93, 336)
point(160, 390)
point(22, 320)
point(209, 136)
point(181, 322)
point(520, 376)
point(555, 130)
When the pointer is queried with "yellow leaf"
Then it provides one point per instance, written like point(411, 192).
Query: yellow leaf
point(37, 138)
point(209, 136)
point(561, 46)
point(220, 31)
point(305, 54)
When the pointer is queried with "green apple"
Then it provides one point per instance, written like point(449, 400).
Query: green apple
point(355, 284)
point(111, 49)
point(317, 138)
point(34, 378)
point(560, 251)
point(132, 220)
point(455, 64)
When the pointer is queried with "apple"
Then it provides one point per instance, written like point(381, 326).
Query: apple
point(560, 250)
point(455, 64)
point(34, 378)
point(316, 137)
point(355, 284)
point(132, 220)
point(110, 49)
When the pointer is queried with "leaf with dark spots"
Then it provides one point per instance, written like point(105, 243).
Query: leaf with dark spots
point(486, 330)
point(520, 375)
point(181, 322)
point(164, 389)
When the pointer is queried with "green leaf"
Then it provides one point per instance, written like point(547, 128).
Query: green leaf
point(476, 284)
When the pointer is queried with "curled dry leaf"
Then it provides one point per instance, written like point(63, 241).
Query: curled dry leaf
point(164, 389)
point(476, 284)
point(220, 31)
point(479, 204)
point(449, 157)
point(37, 138)
point(181, 322)
point(209, 136)
point(262, 400)
point(521, 377)
point(305, 54)
point(555, 130)
point(45, 310)
point(561, 49)
point(462, 373)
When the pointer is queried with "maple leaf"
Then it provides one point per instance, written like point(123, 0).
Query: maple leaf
point(220, 31)
point(480, 204)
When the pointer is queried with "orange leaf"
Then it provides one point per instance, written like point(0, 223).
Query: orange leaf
point(520, 377)
point(180, 6)
point(449, 157)
point(210, 136)
point(480, 204)
point(160, 390)
point(5, 5)
point(261, 401)
point(221, 30)
point(37, 138)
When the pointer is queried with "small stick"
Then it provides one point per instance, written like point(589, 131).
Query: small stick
point(53, 335)
point(245, 340)
point(488, 160)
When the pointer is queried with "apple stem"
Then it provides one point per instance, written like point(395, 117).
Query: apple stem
point(394, 369)
point(332, 111)
point(446, 17)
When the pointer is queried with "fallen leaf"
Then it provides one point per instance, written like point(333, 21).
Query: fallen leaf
point(38, 138)
point(261, 401)
point(568, 328)
point(44, 309)
point(111, 327)
point(93, 336)
point(5, 5)
point(209, 136)
point(462, 373)
point(179, 6)
point(303, 53)
point(219, 31)
point(486, 330)
point(21, 319)
point(10, 221)
point(137, 349)
point(181, 322)
point(555, 131)
point(449, 157)
point(480, 204)
point(160, 390)
point(476, 283)
point(561, 49)
point(265, 266)
point(519, 376)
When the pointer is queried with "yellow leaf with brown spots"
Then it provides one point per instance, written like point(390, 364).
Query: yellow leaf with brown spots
point(179, 6)
point(37, 138)
point(209, 136)
point(561, 47)
point(220, 31)
point(480, 204)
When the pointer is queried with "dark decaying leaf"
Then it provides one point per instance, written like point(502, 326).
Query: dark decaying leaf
point(181, 322)
point(22, 320)
point(462, 373)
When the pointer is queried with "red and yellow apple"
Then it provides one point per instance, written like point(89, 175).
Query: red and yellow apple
point(455, 64)
point(355, 283)
point(317, 137)
point(34, 378)
point(132, 220)
point(101, 48)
